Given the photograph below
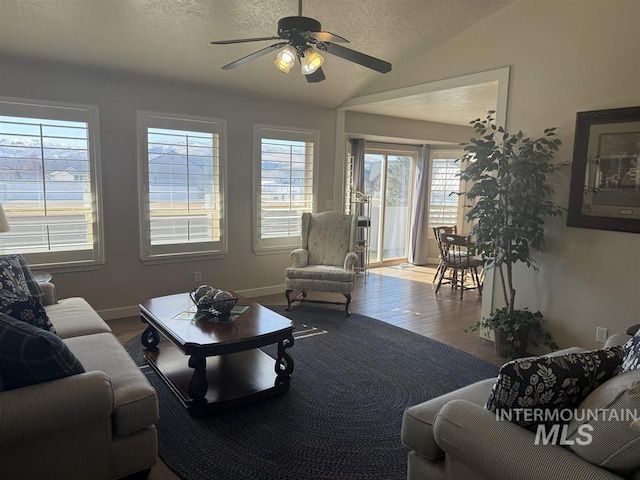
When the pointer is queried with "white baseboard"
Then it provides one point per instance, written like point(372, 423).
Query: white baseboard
point(262, 291)
point(134, 310)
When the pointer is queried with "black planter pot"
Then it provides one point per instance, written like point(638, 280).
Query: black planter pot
point(509, 349)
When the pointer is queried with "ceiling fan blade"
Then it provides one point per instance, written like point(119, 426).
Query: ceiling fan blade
point(356, 57)
point(254, 55)
point(326, 37)
point(316, 76)
point(243, 40)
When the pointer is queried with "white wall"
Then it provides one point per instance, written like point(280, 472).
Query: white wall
point(124, 280)
point(403, 130)
point(566, 56)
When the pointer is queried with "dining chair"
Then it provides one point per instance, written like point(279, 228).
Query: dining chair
point(457, 257)
point(437, 231)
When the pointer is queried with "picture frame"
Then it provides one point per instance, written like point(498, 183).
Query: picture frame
point(605, 175)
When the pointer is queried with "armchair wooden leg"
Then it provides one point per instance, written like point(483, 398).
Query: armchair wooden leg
point(287, 292)
point(346, 308)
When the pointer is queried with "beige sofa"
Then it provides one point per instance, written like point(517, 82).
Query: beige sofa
point(95, 425)
point(455, 437)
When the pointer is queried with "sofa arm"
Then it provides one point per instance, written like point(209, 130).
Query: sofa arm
point(49, 290)
point(351, 261)
point(300, 257)
point(501, 450)
point(616, 340)
point(51, 407)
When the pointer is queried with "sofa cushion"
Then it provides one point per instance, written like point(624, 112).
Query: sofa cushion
point(609, 411)
point(28, 309)
point(12, 277)
point(532, 386)
point(417, 421)
point(631, 359)
point(73, 317)
point(136, 404)
point(30, 355)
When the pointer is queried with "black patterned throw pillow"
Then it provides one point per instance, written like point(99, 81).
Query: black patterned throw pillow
point(26, 308)
point(528, 388)
point(12, 277)
point(30, 355)
point(32, 283)
point(631, 349)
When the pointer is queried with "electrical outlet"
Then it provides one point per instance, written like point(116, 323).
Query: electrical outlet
point(197, 276)
point(601, 334)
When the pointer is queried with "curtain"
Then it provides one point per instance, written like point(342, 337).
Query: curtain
point(420, 219)
point(357, 150)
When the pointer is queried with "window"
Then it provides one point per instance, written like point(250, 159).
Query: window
point(182, 187)
point(49, 182)
point(284, 176)
point(444, 205)
point(388, 176)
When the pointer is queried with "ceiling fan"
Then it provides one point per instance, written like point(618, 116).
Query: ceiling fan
point(299, 35)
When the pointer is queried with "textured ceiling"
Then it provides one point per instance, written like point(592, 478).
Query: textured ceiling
point(170, 38)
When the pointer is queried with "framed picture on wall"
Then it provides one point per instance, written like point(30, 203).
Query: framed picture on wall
point(605, 174)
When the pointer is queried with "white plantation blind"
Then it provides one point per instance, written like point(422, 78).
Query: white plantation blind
point(348, 184)
point(48, 182)
point(285, 176)
point(183, 200)
point(443, 207)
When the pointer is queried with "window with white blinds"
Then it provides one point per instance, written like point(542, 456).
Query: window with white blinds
point(284, 175)
point(182, 185)
point(49, 182)
point(444, 206)
point(348, 184)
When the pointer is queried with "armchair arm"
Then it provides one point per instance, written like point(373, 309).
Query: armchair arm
point(351, 261)
point(49, 290)
point(300, 257)
point(60, 405)
point(501, 450)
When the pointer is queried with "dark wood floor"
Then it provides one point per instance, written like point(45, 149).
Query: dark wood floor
point(400, 296)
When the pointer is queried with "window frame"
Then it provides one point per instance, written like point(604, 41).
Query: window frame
point(176, 252)
point(260, 131)
point(449, 153)
point(64, 111)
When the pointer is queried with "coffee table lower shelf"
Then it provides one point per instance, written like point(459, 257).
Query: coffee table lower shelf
point(234, 379)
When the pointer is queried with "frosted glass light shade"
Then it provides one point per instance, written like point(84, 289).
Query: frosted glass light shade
point(286, 58)
point(311, 61)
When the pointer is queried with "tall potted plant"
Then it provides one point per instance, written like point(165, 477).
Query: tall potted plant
point(509, 200)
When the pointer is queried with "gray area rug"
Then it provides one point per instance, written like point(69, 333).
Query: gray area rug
point(341, 418)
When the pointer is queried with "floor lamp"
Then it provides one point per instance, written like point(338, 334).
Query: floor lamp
point(4, 224)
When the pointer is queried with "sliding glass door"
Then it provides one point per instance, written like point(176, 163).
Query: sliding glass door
point(389, 180)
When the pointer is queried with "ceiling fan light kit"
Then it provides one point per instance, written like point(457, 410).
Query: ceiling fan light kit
point(298, 35)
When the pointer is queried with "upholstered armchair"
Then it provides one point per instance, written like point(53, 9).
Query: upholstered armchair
point(326, 259)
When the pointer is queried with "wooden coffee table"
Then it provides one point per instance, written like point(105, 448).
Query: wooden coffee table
point(212, 365)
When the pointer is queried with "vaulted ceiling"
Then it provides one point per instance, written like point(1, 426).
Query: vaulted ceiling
point(169, 39)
